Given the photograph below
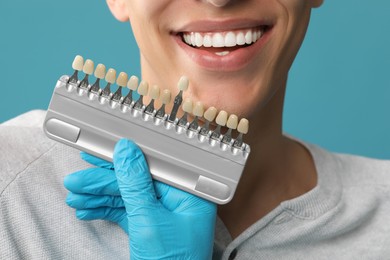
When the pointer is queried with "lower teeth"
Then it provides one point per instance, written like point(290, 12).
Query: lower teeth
point(222, 53)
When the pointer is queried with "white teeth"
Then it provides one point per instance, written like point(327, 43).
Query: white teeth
point(248, 37)
point(198, 40)
point(254, 36)
point(207, 41)
point(240, 38)
point(222, 39)
point(230, 39)
point(222, 53)
point(218, 40)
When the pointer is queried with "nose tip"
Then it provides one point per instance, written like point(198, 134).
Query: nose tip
point(218, 3)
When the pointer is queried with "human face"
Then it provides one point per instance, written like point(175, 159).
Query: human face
point(239, 79)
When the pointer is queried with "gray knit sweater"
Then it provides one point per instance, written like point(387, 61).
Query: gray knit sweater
point(346, 216)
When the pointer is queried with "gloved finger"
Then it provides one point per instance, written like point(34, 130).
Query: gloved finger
point(96, 181)
point(96, 161)
point(133, 176)
point(87, 201)
point(176, 200)
point(117, 215)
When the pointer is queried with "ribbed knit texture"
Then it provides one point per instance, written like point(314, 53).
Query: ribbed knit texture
point(346, 216)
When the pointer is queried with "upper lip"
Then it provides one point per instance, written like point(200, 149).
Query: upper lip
point(221, 25)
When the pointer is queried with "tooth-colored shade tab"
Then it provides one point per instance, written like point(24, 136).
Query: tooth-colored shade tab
point(166, 96)
point(183, 83)
point(243, 126)
point(78, 63)
point(232, 122)
point(187, 105)
point(210, 114)
point(122, 79)
point(88, 67)
point(154, 92)
point(143, 88)
point(222, 118)
point(100, 71)
point(133, 83)
point(198, 109)
point(111, 76)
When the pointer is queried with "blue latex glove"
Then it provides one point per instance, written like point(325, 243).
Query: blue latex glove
point(162, 222)
point(94, 193)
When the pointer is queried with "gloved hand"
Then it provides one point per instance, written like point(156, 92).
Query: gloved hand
point(94, 193)
point(162, 221)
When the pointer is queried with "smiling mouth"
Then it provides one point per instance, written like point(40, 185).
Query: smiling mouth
point(223, 43)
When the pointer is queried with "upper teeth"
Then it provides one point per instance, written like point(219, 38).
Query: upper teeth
point(222, 39)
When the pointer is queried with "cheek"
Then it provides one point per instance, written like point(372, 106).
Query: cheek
point(295, 5)
point(145, 14)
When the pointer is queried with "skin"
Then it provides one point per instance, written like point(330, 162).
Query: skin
point(279, 168)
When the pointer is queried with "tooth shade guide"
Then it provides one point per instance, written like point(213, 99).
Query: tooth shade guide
point(77, 65)
point(117, 95)
point(99, 74)
point(71, 110)
point(132, 85)
point(242, 128)
point(199, 124)
point(110, 79)
point(122, 79)
point(154, 94)
point(88, 70)
point(165, 98)
point(183, 83)
point(182, 86)
point(143, 89)
point(121, 82)
point(110, 76)
point(232, 123)
point(209, 116)
point(187, 108)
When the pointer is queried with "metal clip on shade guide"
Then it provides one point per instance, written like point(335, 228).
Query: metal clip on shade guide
point(110, 78)
point(187, 108)
point(121, 82)
point(142, 91)
point(100, 73)
point(209, 115)
point(242, 129)
point(132, 85)
point(183, 86)
point(154, 94)
point(198, 112)
point(221, 121)
point(77, 65)
point(88, 70)
point(165, 99)
point(232, 125)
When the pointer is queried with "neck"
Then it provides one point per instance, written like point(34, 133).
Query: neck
point(277, 169)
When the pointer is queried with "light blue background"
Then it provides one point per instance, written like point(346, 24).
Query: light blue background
point(339, 87)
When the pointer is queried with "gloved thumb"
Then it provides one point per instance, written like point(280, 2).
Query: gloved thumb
point(133, 176)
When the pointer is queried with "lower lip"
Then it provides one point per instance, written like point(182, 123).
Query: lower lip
point(234, 61)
